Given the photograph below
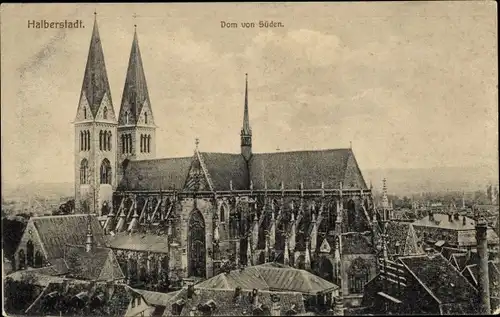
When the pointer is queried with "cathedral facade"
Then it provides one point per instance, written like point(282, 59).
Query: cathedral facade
point(308, 209)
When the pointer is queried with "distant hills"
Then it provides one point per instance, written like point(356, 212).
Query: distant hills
point(402, 181)
point(438, 179)
point(35, 190)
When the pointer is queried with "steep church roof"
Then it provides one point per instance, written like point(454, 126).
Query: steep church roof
point(308, 167)
point(56, 232)
point(135, 92)
point(95, 81)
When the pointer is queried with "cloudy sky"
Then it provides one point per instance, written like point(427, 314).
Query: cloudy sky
point(410, 84)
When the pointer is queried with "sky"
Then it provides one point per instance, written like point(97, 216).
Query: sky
point(409, 85)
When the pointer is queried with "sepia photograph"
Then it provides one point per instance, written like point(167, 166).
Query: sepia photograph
point(250, 159)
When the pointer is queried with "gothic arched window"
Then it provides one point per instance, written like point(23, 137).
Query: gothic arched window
point(88, 140)
point(123, 143)
point(142, 143)
point(130, 143)
point(223, 212)
point(358, 275)
point(30, 254)
point(38, 259)
point(81, 140)
point(85, 113)
point(109, 141)
point(22, 259)
point(100, 140)
point(196, 245)
point(105, 172)
point(105, 113)
point(84, 167)
point(149, 143)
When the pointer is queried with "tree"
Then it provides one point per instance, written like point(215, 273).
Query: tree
point(20, 294)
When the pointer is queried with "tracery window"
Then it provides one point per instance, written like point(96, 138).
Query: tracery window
point(196, 245)
point(358, 275)
point(105, 172)
point(84, 172)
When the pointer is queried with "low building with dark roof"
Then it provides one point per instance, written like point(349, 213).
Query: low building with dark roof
point(81, 254)
point(457, 231)
point(423, 284)
point(471, 272)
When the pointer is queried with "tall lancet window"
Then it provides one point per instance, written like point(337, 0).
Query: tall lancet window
point(149, 144)
point(85, 113)
point(84, 171)
point(126, 117)
point(109, 140)
point(146, 117)
point(105, 113)
point(105, 172)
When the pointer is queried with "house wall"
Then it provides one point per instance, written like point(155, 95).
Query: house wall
point(29, 234)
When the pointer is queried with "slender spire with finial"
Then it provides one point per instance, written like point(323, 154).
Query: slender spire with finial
point(197, 142)
point(246, 131)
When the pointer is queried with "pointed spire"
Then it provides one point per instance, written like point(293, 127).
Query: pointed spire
point(246, 131)
point(95, 80)
point(135, 92)
point(246, 121)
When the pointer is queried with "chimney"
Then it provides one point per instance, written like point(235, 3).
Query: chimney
point(237, 293)
point(275, 306)
point(190, 291)
point(398, 248)
point(255, 297)
point(484, 282)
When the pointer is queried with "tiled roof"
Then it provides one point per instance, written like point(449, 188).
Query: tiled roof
point(396, 232)
point(90, 265)
point(57, 231)
point(440, 278)
point(224, 168)
point(115, 303)
point(167, 173)
point(269, 277)
point(37, 278)
point(139, 242)
point(356, 243)
point(156, 298)
point(309, 167)
point(95, 81)
point(226, 304)
point(442, 221)
point(493, 272)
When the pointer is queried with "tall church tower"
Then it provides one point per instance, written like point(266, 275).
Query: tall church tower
point(136, 127)
point(246, 131)
point(95, 136)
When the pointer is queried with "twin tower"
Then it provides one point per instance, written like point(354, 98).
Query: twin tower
point(103, 144)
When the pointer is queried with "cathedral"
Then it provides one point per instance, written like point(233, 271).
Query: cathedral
point(308, 209)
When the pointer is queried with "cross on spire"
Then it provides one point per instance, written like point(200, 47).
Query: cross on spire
point(135, 16)
point(197, 142)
